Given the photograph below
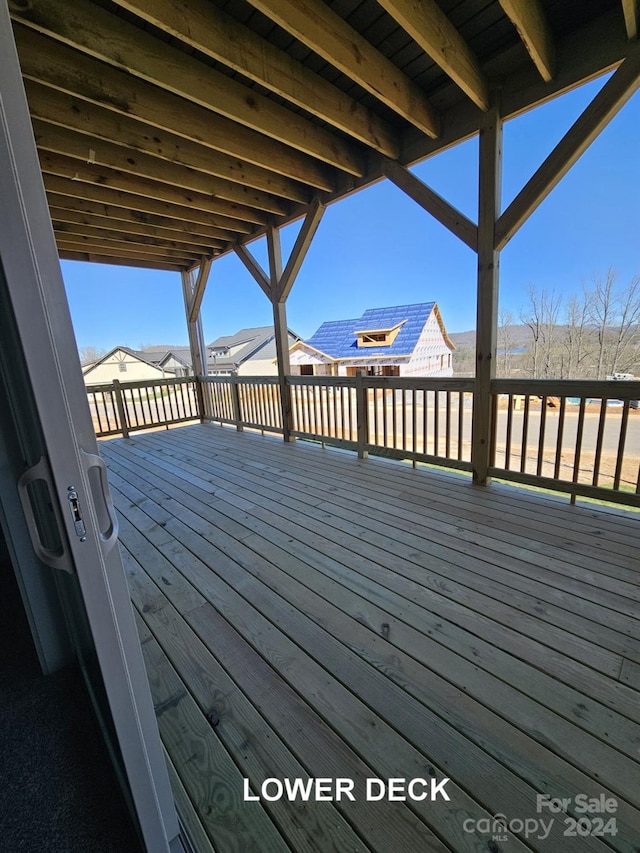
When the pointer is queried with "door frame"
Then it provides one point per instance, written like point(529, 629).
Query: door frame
point(36, 290)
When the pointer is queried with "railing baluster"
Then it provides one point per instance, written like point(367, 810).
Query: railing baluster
point(414, 424)
point(425, 421)
point(272, 420)
point(576, 460)
point(559, 439)
point(447, 438)
point(394, 422)
point(98, 412)
point(525, 433)
point(436, 423)
point(621, 443)
point(184, 404)
point(163, 397)
point(599, 440)
point(152, 392)
point(507, 440)
point(321, 410)
point(543, 417)
point(494, 430)
point(314, 408)
point(260, 395)
point(264, 413)
point(461, 424)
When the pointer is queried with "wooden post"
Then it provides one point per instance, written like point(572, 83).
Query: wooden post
point(284, 367)
point(277, 286)
point(122, 415)
point(489, 189)
point(281, 329)
point(193, 291)
point(362, 415)
point(235, 398)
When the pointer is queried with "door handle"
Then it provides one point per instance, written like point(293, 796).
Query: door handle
point(57, 558)
point(96, 472)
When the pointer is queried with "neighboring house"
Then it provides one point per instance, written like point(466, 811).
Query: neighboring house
point(129, 365)
point(174, 360)
point(250, 352)
point(124, 364)
point(404, 340)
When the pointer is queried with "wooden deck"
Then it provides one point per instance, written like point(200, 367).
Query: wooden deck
point(307, 614)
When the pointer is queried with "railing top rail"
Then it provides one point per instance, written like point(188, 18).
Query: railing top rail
point(419, 383)
point(143, 383)
point(415, 383)
point(240, 380)
point(335, 381)
point(603, 388)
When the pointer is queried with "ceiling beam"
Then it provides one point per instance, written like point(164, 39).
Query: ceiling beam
point(114, 218)
point(584, 55)
point(630, 11)
point(300, 248)
point(95, 31)
point(313, 23)
point(60, 67)
point(93, 258)
point(605, 105)
point(254, 268)
point(76, 229)
point(438, 207)
point(87, 149)
point(141, 206)
point(430, 28)
point(74, 113)
point(530, 20)
point(78, 172)
point(211, 31)
point(121, 221)
point(125, 250)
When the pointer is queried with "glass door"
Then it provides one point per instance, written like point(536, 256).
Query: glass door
point(54, 486)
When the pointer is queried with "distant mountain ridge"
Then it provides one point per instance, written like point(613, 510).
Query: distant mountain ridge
point(518, 335)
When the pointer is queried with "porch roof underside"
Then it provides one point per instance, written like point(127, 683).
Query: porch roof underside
point(168, 132)
point(404, 626)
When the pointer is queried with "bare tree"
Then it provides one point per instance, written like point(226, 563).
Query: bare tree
point(577, 343)
point(541, 317)
point(90, 354)
point(602, 311)
point(627, 331)
point(532, 318)
point(506, 343)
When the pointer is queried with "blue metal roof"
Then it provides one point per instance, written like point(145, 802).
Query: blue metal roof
point(338, 339)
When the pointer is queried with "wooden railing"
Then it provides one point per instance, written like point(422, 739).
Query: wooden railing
point(427, 420)
point(582, 438)
point(123, 407)
point(578, 437)
point(251, 401)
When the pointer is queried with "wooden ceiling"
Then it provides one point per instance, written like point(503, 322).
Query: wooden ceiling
point(171, 130)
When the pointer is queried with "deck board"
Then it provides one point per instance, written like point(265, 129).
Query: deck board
point(359, 618)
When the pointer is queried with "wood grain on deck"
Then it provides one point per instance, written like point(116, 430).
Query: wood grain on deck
point(305, 613)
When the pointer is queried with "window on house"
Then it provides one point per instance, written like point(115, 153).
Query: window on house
point(378, 337)
point(306, 370)
point(383, 370)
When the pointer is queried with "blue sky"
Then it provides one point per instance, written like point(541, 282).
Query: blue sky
point(379, 248)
